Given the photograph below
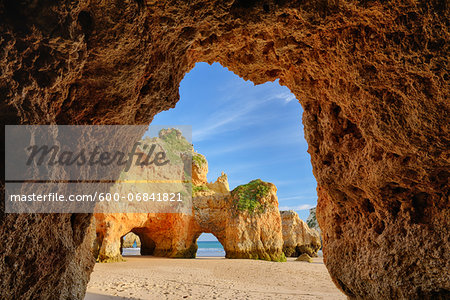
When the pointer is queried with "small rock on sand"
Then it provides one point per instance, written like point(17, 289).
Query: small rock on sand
point(304, 257)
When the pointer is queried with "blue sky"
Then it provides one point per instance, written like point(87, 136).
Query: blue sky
point(247, 131)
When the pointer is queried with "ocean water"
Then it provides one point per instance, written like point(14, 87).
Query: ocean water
point(131, 251)
point(213, 248)
point(205, 249)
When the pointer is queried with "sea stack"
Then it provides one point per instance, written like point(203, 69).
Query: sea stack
point(297, 236)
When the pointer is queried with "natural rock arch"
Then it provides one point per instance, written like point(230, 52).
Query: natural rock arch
point(372, 77)
point(163, 234)
point(148, 245)
point(252, 233)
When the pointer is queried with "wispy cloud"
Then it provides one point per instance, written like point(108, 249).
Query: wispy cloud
point(238, 104)
point(233, 117)
point(297, 207)
point(271, 139)
point(281, 182)
point(207, 131)
point(286, 96)
point(296, 198)
point(238, 169)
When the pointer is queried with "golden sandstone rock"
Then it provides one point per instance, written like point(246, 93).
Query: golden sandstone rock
point(130, 240)
point(372, 78)
point(246, 221)
point(304, 257)
point(298, 237)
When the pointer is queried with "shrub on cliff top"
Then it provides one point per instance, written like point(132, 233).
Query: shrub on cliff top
point(175, 140)
point(248, 197)
point(198, 159)
point(174, 143)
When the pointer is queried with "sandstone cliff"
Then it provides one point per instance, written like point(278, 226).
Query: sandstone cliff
point(246, 221)
point(199, 169)
point(372, 78)
point(161, 232)
point(167, 235)
point(312, 220)
point(297, 236)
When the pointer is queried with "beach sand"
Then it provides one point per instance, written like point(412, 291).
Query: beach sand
point(142, 277)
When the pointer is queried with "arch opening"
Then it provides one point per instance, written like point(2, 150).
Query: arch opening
point(209, 246)
point(247, 131)
point(137, 242)
point(257, 146)
point(130, 244)
point(148, 245)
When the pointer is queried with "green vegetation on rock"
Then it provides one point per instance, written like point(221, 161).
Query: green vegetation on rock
point(123, 175)
point(274, 256)
point(198, 159)
point(312, 220)
point(174, 144)
point(248, 197)
point(281, 258)
point(199, 188)
point(175, 140)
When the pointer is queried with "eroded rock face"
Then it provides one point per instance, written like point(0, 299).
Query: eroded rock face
point(246, 221)
point(297, 236)
point(130, 240)
point(199, 169)
point(29, 255)
point(312, 220)
point(166, 235)
point(372, 77)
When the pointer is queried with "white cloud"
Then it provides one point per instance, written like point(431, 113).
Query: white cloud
point(279, 182)
point(285, 96)
point(233, 117)
point(270, 139)
point(297, 207)
point(297, 198)
point(238, 102)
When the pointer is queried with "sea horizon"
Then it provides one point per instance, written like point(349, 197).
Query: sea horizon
point(205, 249)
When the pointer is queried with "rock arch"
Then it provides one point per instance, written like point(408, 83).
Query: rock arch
point(372, 77)
point(141, 238)
point(244, 233)
point(148, 245)
point(166, 235)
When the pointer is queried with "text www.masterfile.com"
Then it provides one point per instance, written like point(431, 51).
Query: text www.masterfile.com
point(101, 197)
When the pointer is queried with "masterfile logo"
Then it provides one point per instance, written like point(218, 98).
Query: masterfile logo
point(98, 168)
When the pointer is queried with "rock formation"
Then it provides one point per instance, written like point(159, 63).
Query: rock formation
point(246, 221)
point(199, 169)
point(304, 257)
point(312, 220)
point(160, 234)
point(130, 240)
point(372, 77)
point(166, 235)
point(297, 236)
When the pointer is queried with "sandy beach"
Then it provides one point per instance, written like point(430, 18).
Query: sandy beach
point(210, 278)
